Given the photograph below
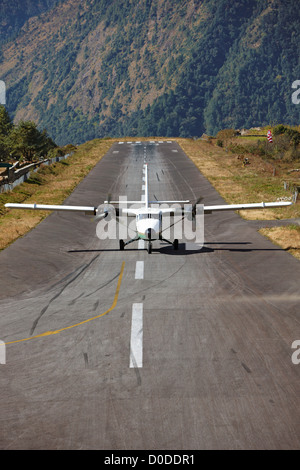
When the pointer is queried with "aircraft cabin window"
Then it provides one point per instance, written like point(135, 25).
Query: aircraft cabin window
point(148, 216)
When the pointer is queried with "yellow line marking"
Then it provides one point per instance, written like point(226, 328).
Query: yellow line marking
point(55, 332)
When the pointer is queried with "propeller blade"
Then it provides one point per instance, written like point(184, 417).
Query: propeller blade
point(106, 210)
point(108, 199)
point(194, 208)
point(101, 216)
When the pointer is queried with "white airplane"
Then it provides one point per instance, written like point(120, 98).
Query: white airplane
point(149, 226)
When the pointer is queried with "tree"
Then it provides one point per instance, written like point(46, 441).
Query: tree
point(28, 142)
point(5, 128)
point(5, 122)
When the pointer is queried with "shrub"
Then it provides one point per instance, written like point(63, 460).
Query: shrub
point(226, 134)
point(293, 134)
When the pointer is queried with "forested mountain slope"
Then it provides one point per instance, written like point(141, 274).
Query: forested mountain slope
point(86, 68)
point(15, 13)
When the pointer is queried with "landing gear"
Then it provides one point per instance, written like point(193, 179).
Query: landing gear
point(122, 244)
point(174, 243)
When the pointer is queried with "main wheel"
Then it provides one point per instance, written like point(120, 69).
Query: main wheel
point(122, 244)
point(175, 244)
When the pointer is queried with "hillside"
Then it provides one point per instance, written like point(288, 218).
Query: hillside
point(84, 69)
point(15, 13)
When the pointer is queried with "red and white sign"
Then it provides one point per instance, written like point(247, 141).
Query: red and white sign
point(269, 136)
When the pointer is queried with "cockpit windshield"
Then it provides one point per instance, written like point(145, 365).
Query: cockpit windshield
point(148, 216)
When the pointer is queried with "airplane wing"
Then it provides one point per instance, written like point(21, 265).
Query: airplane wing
point(224, 207)
point(87, 210)
point(238, 207)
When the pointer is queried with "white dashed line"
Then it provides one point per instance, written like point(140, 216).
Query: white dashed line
point(136, 340)
point(139, 270)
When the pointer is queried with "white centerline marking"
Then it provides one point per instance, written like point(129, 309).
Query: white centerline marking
point(136, 340)
point(139, 270)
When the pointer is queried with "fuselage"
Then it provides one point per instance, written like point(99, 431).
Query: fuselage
point(148, 224)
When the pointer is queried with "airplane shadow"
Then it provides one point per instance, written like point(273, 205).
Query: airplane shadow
point(182, 250)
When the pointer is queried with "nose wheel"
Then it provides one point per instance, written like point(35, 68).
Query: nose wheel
point(149, 248)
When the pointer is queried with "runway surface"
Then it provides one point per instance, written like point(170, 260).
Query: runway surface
point(124, 350)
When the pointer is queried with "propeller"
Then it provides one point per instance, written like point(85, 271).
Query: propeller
point(100, 216)
point(194, 208)
point(103, 210)
point(191, 215)
point(108, 199)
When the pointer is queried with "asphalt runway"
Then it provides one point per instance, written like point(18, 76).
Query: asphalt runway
point(176, 350)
